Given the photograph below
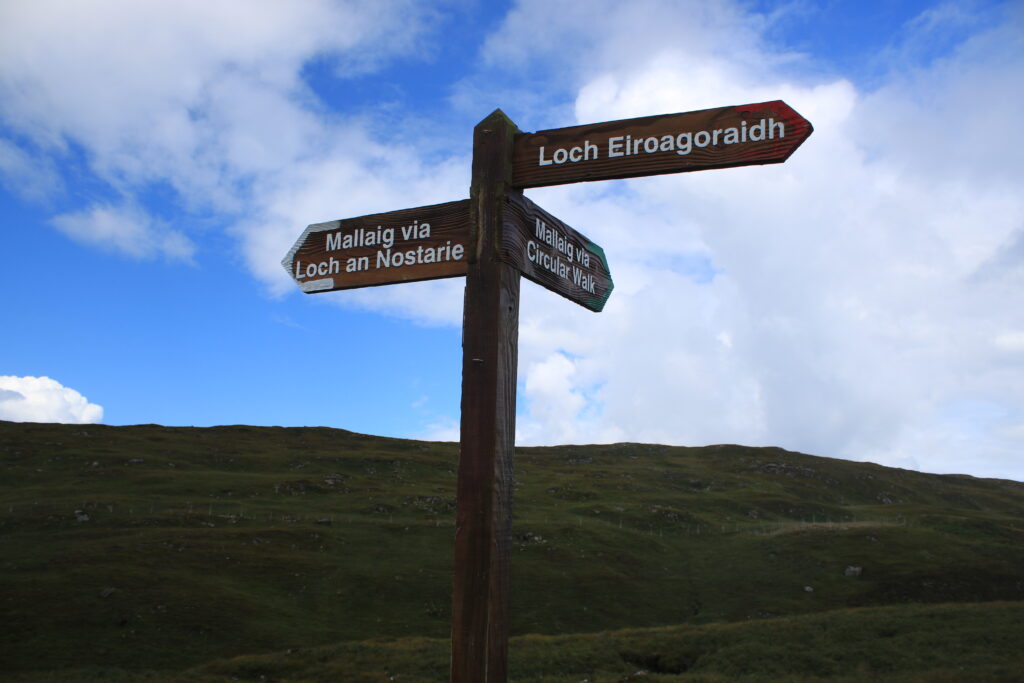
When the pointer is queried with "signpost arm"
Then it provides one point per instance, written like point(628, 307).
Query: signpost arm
point(489, 359)
point(562, 260)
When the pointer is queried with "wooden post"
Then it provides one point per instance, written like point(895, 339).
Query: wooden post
point(489, 358)
point(504, 162)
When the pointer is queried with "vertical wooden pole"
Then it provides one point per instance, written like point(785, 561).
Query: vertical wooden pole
point(489, 356)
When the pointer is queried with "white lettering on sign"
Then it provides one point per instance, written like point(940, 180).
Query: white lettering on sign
point(585, 153)
point(547, 261)
point(420, 255)
point(388, 255)
point(680, 143)
point(583, 280)
point(568, 260)
point(552, 238)
point(312, 270)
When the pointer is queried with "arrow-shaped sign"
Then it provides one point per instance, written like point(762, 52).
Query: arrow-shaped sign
point(512, 235)
point(765, 133)
point(424, 243)
point(549, 252)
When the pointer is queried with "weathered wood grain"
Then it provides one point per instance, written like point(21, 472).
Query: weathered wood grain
point(595, 163)
point(579, 271)
point(448, 240)
point(489, 361)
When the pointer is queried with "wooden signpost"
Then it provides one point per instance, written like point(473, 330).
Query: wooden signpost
point(492, 238)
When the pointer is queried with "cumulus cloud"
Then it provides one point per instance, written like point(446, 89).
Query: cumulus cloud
point(31, 177)
point(855, 301)
point(210, 105)
point(41, 399)
point(864, 300)
point(354, 176)
point(126, 229)
point(556, 400)
point(1011, 342)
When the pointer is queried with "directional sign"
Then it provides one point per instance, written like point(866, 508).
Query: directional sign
point(512, 236)
point(424, 243)
point(765, 133)
point(549, 252)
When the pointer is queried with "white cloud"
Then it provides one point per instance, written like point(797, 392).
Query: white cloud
point(556, 401)
point(33, 178)
point(445, 429)
point(1012, 342)
point(354, 176)
point(206, 98)
point(860, 300)
point(587, 36)
point(41, 399)
point(125, 229)
point(861, 284)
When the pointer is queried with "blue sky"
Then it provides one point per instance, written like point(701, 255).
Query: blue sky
point(865, 300)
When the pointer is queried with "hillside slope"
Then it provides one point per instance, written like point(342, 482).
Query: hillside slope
point(162, 547)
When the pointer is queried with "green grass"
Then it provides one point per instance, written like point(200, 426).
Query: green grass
point(915, 643)
point(232, 541)
point(961, 642)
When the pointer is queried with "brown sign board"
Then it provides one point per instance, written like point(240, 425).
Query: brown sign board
point(424, 243)
point(550, 253)
point(765, 133)
point(431, 242)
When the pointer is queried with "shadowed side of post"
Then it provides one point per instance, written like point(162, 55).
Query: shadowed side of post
point(489, 362)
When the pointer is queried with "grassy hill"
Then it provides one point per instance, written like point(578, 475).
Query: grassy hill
point(165, 548)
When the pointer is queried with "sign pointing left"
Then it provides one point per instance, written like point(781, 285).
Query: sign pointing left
point(424, 243)
point(510, 236)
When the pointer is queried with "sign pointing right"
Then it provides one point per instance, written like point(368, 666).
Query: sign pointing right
point(552, 254)
point(492, 238)
point(765, 133)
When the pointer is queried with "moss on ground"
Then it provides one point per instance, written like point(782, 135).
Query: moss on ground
point(152, 548)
